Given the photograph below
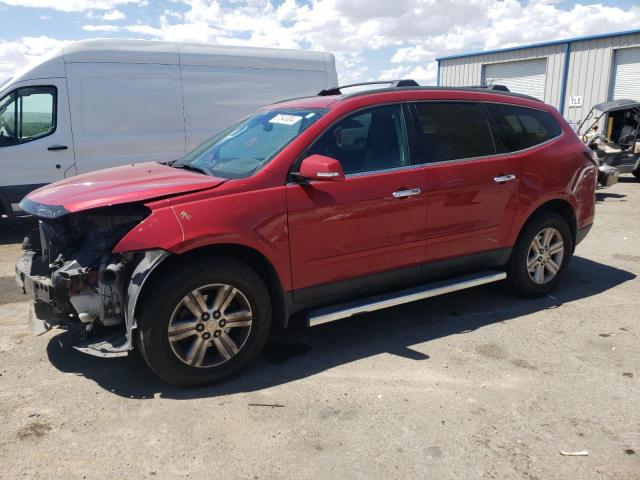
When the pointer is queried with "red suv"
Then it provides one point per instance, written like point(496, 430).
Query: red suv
point(325, 207)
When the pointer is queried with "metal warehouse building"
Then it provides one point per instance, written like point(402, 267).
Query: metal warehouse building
point(572, 75)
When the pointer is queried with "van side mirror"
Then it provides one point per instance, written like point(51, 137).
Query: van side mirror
point(321, 168)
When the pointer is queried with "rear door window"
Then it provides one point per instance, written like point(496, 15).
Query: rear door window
point(452, 131)
point(522, 127)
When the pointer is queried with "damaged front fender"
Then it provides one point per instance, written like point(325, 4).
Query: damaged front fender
point(120, 345)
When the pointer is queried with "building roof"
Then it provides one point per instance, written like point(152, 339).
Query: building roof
point(542, 44)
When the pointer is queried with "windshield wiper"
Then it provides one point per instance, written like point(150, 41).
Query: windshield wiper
point(187, 166)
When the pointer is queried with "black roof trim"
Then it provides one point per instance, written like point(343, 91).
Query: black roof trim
point(475, 89)
point(502, 88)
point(392, 84)
point(454, 89)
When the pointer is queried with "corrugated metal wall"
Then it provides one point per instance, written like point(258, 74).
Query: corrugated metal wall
point(458, 72)
point(589, 76)
point(590, 69)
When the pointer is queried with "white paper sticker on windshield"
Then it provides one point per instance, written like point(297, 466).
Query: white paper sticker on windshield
point(283, 119)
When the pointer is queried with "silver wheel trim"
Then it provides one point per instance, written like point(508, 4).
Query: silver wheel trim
point(545, 255)
point(210, 325)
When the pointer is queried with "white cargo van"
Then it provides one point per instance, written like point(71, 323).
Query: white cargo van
point(100, 103)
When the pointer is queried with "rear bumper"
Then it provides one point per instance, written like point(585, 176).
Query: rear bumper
point(582, 232)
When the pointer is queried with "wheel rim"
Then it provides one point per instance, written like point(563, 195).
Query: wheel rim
point(210, 325)
point(545, 255)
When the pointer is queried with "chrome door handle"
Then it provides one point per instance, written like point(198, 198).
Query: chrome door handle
point(406, 193)
point(504, 178)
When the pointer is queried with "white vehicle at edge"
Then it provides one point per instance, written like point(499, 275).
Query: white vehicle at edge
point(101, 103)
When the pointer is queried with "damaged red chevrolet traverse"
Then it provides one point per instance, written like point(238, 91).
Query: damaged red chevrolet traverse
point(323, 207)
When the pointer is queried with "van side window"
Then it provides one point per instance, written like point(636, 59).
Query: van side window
point(453, 131)
point(27, 114)
point(523, 127)
point(367, 141)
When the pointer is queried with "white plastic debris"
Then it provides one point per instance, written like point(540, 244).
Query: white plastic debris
point(579, 453)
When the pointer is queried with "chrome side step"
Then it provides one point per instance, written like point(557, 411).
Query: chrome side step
point(379, 302)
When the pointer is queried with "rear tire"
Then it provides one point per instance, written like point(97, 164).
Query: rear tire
point(541, 256)
point(204, 322)
point(636, 173)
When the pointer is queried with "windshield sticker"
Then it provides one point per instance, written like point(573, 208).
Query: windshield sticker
point(282, 119)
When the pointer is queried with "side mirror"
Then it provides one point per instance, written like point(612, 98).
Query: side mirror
point(319, 167)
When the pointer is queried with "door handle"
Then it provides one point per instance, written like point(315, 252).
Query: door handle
point(406, 193)
point(504, 178)
point(55, 148)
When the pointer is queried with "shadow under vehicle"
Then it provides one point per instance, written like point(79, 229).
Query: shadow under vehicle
point(610, 129)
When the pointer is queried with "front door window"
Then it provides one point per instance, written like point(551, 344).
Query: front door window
point(367, 141)
point(27, 114)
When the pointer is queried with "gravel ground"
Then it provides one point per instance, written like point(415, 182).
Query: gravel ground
point(476, 384)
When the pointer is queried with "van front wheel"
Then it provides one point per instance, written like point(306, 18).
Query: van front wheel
point(205, 322)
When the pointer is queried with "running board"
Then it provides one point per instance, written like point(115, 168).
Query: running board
point(379, 302)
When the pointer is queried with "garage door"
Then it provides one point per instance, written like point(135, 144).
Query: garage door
point(526, 77)
point(626, 78)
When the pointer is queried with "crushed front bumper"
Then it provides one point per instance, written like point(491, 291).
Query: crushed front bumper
point(46, 313)
point(39, 290)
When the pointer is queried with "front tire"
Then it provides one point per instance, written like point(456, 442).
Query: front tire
point(204, 322)
point(541, 256)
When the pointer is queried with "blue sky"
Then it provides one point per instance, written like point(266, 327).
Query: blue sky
point(371, 38)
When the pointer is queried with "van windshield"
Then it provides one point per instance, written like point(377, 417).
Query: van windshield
point(246, 147)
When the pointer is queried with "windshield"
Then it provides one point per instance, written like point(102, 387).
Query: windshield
point(249, 145)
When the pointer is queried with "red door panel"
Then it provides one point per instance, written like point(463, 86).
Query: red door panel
point(469, 212)
point(346, 229)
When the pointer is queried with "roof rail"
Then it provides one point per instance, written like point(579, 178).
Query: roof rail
point(391, 83)
point(501, 88)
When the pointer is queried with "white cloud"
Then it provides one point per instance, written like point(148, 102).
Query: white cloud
point(419, 30)
point(100, 28)
point(72, 5)
point(424, 75)
point(416, 53)
point(112, 15)
point(370, 38)
point(18, 54)
point(46, 17)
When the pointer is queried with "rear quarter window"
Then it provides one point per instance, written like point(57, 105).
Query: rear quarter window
point(522, 127)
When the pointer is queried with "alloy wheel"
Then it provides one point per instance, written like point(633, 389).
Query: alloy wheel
point(545, 255)
point(210, 325)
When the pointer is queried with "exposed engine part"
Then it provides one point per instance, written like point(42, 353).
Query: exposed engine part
point(69, 265)
point(86, 304)
point(69, 269)
point(111, 274)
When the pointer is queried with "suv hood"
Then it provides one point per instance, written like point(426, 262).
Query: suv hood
point(130, 183)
